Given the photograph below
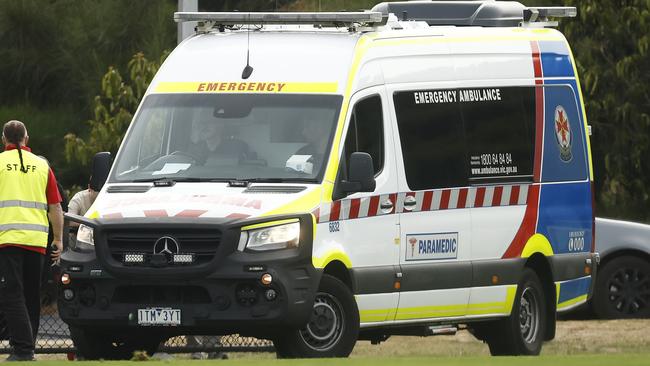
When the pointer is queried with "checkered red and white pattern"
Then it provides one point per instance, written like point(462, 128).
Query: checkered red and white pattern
point(432, 200)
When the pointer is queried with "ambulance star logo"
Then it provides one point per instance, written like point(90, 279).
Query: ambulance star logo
point(563, 133)
point(562, 125)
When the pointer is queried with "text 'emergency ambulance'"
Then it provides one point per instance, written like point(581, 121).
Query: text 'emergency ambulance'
point(453, 96)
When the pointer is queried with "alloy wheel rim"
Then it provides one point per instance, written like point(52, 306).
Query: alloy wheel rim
point(629, 291)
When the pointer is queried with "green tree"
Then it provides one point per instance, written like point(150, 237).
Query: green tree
point(113, 109)
point(55, 52)
point(610, 41)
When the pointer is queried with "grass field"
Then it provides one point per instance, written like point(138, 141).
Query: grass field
point(577, 343)
point(576, 360)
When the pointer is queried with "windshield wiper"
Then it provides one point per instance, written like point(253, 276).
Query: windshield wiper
point(168, 182)
point(245, 182)
point(232, 182)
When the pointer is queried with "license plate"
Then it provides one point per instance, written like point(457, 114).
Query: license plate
point(159, 316)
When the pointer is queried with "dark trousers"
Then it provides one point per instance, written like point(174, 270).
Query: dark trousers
point(20, 282)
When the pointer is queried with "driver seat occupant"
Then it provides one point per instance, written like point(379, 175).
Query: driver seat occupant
point(212, 139)
point(314, 131)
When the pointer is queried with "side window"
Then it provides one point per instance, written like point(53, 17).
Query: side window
point(432, 138)
point(565, 153)
point(366, 132)
point(499, 126)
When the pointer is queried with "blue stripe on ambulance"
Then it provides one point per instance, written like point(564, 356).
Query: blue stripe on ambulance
point(565, 217)
point(565, 212)
point(555, 59)
point(574, 288)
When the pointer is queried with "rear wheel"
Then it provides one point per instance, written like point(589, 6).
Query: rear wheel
point(623, 289)
point(522, 333)
point(332, 329)
point(94, 345)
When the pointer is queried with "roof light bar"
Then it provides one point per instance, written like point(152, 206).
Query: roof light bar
point(231, 18)
point(533, 14)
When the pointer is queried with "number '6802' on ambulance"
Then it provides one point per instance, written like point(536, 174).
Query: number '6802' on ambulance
point(321, 178)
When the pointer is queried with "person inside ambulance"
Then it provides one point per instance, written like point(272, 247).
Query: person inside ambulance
point(214, 143)
point(310, 157)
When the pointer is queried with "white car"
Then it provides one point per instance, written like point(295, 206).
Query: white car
point(622, 287)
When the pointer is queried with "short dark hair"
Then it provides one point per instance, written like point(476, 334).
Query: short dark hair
point(14, 131)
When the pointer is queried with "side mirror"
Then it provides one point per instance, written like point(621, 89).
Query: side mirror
point(361, 174)
point(101, 167)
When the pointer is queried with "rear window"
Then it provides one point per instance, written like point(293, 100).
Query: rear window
point(500, 136)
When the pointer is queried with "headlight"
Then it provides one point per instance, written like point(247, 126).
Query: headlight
point(85, 235)
point(279, 236)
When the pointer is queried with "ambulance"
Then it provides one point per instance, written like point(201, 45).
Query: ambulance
point(316, 179)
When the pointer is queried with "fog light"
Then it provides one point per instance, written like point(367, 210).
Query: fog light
point(68, 294)
point(65, 279)
point(266, 279)
point(270, 294)
point(183, 258)
point(133, 258)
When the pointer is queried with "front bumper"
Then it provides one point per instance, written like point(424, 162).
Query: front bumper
point(223, 296)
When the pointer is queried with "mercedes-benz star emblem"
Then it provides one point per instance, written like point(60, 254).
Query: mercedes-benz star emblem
point(166, 245)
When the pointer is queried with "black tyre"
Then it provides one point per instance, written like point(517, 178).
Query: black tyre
point(93, 345)
point(4, 330)
point(522, 333)
point(623, 289)
point(332, 330)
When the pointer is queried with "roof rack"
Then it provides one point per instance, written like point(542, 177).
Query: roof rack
point(208, 20)
point(487, 13)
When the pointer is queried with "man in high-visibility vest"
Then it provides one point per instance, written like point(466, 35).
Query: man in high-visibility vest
point(28, 195)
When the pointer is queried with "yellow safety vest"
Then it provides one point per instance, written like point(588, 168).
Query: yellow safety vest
point(23, 203)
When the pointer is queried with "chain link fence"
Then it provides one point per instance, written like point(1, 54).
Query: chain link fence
point(54, 337)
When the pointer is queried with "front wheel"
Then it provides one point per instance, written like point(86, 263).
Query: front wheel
point(522, 333)
point(333, 327)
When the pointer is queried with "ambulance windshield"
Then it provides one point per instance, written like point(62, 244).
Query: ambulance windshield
point(222, 137)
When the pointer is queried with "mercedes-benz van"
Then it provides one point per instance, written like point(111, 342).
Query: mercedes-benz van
point(320, 178)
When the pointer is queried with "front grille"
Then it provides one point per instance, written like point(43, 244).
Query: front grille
point(202, 244)
point(161, 295)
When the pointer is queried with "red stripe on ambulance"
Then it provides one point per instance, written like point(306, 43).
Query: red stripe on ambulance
point(462, 198)
point(155, 213)
point(335, 211)
point(191, 213)
point(480, 195)
point(514, 196)
point(354, 208)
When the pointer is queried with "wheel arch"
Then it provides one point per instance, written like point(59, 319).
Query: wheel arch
point(623, 253)
point(340, 271)
point(540, 264)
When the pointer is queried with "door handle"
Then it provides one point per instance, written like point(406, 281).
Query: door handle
point(386, 206)
point(409, 203)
